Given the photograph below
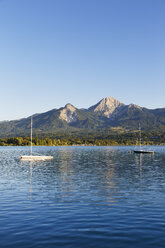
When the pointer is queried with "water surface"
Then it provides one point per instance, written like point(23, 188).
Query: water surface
point(85, 197)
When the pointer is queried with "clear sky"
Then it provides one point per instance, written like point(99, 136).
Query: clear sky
point(54, 52)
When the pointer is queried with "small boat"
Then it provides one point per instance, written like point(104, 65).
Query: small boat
point(140, 150)
point(143, 151)
point(35, 157)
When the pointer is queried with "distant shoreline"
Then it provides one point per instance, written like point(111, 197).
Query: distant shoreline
point(77, 145)
point(111, 140)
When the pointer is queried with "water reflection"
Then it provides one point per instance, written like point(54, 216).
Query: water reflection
point(85, 197)
point(80, 175)
point(139, 161)
point(31, 171)
point(143, 159)
point(87, 172)
point(76, 175)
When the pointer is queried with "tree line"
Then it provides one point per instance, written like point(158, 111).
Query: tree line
point(98, 140)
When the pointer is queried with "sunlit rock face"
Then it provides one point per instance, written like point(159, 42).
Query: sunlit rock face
point(68, 113)
point(107, 107)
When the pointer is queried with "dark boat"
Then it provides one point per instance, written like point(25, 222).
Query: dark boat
point(143, 151)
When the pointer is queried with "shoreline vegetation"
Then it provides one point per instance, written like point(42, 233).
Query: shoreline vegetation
point(129, 139)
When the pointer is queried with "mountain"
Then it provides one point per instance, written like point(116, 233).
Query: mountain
point(106, 114)
point(108, 107)
point(68, 113)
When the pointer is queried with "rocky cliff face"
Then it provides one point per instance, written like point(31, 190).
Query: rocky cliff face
point(68, 113)
point(107, 107)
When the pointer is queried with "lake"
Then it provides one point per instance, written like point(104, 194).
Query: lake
point(86, 197)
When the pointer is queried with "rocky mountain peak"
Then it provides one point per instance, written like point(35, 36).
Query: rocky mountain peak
point(68, 113)
point(70, 107)
point(107, 106)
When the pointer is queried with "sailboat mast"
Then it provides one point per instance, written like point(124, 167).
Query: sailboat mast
point(32, 157)
point(140, 136)
point(31, 134)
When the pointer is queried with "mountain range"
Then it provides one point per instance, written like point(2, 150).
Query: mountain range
point(107, 114)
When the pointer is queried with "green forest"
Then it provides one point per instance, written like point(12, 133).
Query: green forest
point(148, 138)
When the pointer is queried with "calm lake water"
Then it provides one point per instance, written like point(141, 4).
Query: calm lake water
point(86, 197)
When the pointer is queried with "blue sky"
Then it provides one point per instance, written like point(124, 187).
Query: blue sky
point(54, 52)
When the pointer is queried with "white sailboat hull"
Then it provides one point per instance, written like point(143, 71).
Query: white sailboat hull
point(33, 157)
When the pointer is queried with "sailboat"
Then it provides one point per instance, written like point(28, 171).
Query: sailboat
point(140, 150)
point(34, 157)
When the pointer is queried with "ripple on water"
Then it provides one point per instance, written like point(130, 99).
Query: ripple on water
point(85, 197)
